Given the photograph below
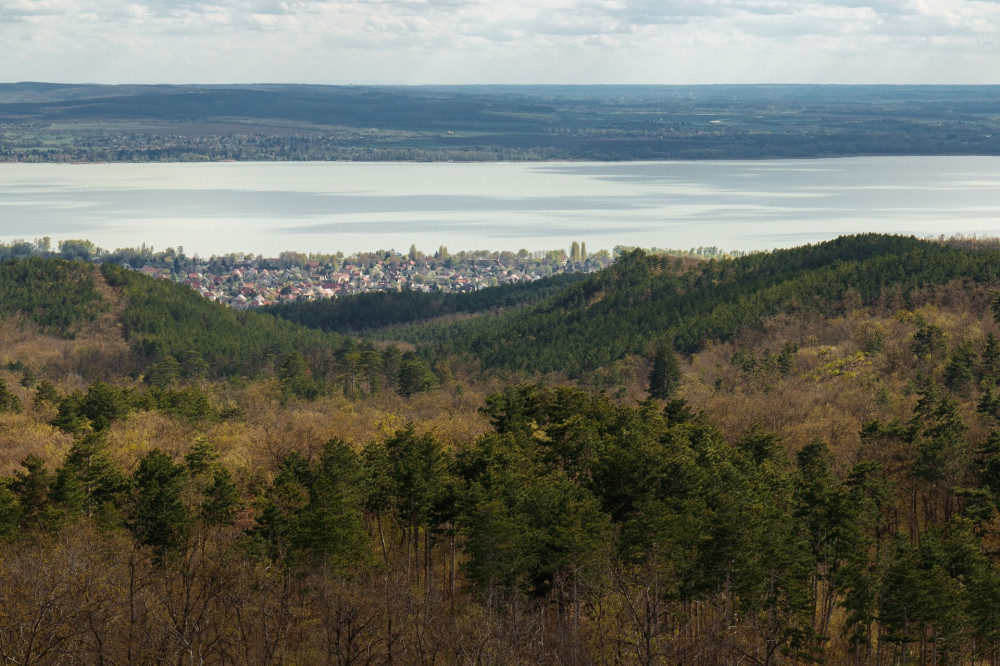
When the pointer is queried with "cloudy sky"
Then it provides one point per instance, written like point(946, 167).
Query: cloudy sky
point(501, 41)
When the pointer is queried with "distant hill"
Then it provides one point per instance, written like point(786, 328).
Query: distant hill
point(63, 122)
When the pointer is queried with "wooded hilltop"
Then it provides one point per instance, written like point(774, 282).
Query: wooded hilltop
point(789, 457)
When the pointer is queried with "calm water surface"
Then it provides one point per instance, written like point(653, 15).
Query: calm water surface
point(267, 207)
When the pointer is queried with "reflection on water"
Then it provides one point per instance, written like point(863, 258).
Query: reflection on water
point(267, 207)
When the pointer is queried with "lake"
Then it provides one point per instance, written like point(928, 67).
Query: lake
point(266, 207)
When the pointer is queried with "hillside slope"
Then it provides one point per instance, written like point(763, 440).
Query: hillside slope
point(644, 299)
point(374, 310)
point(156, 317)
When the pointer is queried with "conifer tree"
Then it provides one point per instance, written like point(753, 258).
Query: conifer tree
point(928, 340)
point(221, 499)
point(665, 375)
point(415, 376)
point(160, 519)
point(10, 514)
point(8, 401)
point(32, 488)
point(45, 392)
point(70, 417)
point(89, 480)
point(958, 373)
point(990, 362)
point(164, 374)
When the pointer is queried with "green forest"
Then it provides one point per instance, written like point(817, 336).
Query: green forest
point(789, 457)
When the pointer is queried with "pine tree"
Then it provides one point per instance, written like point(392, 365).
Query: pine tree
point(70, 417)
point(928, 340)
point(958, 373)
point(160, 519)
point(8, 401)
point(221, 500)
point(165, 374)
point(10, 514)
point(415, 376)
point(32, 488)
point(202, 457)
point(45, 392)
point(89, 480)
point(665, 375)
point(296, 377)
point(105, 403)
point(786, 359)
point(990, 362)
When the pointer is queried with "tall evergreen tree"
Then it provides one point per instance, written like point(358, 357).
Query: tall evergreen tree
point(929, 339)
point(990, 362)
point(32, 488)
point(89, 480)
point(164, 374)
point(160, 518)
point(415, 376)
point(958, 373)
point(665, 375)
point(8, 401)
point(221, 499)
point(45, 392)
point(10, 513)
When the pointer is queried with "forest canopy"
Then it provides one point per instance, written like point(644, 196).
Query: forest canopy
point(783, 458)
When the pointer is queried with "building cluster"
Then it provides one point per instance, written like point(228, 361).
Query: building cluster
point(257, 283)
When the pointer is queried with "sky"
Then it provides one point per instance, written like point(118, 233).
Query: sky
point(501, 41)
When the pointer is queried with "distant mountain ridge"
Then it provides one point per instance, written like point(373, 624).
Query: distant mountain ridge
point(76, 122)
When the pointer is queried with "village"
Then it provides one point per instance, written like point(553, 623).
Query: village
point(247, 281)
point(254, 282)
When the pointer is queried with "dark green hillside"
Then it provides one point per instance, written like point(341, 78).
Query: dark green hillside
point(373, 310)
point(56, 295)
point(158, 318)
point(161, 318)
point(643, 299)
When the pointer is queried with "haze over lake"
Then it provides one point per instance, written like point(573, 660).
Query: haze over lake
point(266, 207)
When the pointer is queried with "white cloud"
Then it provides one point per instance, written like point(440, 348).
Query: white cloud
point(469, 41)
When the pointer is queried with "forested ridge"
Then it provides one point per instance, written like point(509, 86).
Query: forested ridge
point(374, 310)
point(643, 299)
point(793, 458)
point(164, 319)
point(54, 294)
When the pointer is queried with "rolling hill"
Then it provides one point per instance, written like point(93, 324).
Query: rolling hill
point(643, 300)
